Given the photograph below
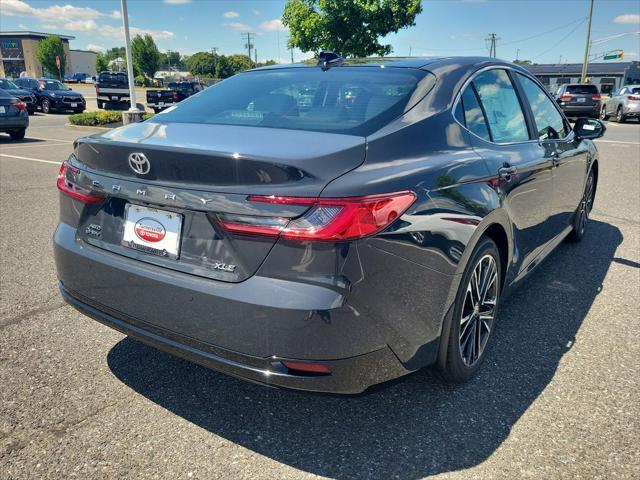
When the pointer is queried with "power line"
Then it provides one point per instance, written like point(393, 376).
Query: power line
point(560, 41)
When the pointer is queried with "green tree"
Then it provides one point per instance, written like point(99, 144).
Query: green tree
point(145, 55)
point(228, 66)
point(201, 63)
point(48, 49)
point(102, 64)
point(348, 27)
point(114, 53)
point(172, 59)
point(522, 62)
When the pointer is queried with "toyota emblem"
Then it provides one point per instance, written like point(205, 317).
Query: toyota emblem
point(139, 163)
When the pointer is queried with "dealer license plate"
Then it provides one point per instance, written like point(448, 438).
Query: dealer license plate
point(152, 231)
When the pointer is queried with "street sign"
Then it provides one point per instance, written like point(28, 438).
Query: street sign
point(614, 55)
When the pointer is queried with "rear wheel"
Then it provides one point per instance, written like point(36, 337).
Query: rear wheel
point(100, 104)
point(584, 209)
point(603, 114)
point(620, 117)
point(18, 134)
point(474, 313)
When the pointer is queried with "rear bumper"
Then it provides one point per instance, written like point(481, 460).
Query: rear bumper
point(578, 111)
point(18, 122)
point(242, 329)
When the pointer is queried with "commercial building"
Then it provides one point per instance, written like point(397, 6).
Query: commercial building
point(83, 61)
point(608, 76)
point(18, 53)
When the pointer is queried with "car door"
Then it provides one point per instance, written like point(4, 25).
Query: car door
point(568, 156)
point(502, 137)
point(614, 101)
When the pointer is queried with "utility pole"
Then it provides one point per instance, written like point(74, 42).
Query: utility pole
point(133, 115)
point(587, 47)
point(249, 44)
point(410, 51)
point(492, 39)
point(291, 54)
point(517, 54)
point(214, 53)
point(255, 55)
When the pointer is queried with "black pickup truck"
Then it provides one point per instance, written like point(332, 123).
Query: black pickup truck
point(112, 89)
point(158, 100)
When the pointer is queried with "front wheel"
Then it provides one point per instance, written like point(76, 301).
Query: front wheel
point(474, 313)
point(584, 209)
point(603, 114)
point(46, 106)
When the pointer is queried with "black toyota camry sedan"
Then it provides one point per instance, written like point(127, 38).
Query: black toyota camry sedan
point(326, 227)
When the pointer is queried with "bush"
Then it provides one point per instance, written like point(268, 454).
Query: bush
point(100, 118)
point(140, 80)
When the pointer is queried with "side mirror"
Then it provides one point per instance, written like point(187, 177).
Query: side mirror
point(589, 128)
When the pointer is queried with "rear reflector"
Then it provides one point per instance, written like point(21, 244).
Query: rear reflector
point(300, 367)
point(66, 185)
point(327, 219)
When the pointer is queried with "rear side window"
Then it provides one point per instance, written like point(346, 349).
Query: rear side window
point(635, 90)
point(549, 122)
point(473, 115)
point(112, 78)
point(501, 106)
point(344, 100)
point(582, 89)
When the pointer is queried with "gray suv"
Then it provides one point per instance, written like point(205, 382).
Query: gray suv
point(623, 104)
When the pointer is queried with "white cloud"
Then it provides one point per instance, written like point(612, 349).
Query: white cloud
point(238, 26)
point(22, 26)
point(176, 2)
point(78, 19)
point(272, 25)
point(629, 18)
point(231, 14)
point(255, 12)
point(95, 48)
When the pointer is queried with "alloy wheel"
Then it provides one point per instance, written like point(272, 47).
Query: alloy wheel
point(587, 203)
point(45, 106)
point(478, 310)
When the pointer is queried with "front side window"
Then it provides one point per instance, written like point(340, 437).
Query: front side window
point(501, 106)
point(549, 122)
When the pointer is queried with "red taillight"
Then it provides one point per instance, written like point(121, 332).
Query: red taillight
point(566, 96)
point(65, 185)
point(97, 89)
point(175, 96)
point(634, 97)
point(301, 367)
point(595, 97)
point(327, 219)
point(19, 105)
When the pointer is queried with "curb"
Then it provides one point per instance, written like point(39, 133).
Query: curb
point(89, 126)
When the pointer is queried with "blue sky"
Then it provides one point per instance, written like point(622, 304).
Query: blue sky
point(542, 30)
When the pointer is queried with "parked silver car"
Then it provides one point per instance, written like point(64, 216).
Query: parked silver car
point(623, 104)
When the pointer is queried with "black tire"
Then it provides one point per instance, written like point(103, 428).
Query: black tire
point(603, 114)
point(620, 117)
point(457, 364)
point(46, 106)
point(18, 134)
point(100, 105)
point(157, 110)
point(581, 217)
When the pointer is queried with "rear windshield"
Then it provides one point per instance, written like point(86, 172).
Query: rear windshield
point(180, 86)
point(113, 78)
point(52, 85)
point(345, 100)
point(582, 89)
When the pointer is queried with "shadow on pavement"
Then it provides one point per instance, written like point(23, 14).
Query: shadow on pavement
point(407, 429)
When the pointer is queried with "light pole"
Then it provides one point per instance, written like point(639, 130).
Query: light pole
point(587, 47)
point(133, 115)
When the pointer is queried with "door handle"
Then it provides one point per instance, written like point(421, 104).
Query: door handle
point(507, 171)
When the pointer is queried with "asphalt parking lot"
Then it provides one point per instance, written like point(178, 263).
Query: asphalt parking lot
point(557, 398)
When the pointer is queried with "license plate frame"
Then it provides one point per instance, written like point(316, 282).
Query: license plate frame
point(582, 100)
point(142, 228)
point(74, 105)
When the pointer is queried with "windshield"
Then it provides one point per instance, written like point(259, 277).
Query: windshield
point(347, 100)
point(52, 85)
point(7, 84)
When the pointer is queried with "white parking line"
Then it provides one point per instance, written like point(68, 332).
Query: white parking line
point(616, 141)
point(39, 160)
point(50, 139)
point(4, 147)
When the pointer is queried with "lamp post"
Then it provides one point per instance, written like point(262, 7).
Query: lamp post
point(133, 114)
